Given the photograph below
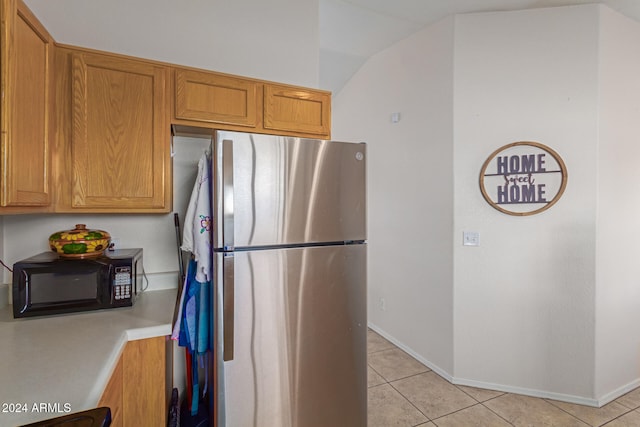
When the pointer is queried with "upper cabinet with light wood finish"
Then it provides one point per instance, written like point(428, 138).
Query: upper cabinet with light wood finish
point(118, 148)
point(26, 50)
point(84, 131)
point(208, 100)
point(298, 110)
point(215, 98)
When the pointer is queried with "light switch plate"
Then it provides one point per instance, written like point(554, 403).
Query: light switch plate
point(470, 238)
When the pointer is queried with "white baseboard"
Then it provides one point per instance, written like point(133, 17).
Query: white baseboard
point(528, 392)
point(435, 368)
point(603, 400)
point(613, 395)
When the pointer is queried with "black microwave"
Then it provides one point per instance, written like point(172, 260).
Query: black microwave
point(48, 284)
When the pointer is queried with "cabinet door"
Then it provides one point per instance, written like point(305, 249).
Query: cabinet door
point(215, 98)
point(139, 389)
point(297, 110)
point(146, 365)
point(120, 135)
point(112, 396)
point(26, 87)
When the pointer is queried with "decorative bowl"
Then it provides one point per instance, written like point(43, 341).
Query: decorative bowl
point(79, 242)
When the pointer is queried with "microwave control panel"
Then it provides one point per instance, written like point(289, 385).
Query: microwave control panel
point(122, 284)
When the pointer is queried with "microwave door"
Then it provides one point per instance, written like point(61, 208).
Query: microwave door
point(48, 284)
point(42, 290)
point(21, 295)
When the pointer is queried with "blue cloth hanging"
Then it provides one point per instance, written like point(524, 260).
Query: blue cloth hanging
point(190, 308)
point(194, 326)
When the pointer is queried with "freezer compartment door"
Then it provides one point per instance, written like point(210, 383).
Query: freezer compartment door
point(299, 337)
point(273, 190)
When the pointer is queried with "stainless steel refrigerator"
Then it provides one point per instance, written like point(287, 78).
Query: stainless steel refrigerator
point(290, 282)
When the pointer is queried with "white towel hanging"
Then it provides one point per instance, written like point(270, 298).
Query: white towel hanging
point(196, 236)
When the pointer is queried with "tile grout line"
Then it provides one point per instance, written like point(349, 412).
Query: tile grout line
point(407, 399)
point(403, 396)
point(627, 408)
point(579, 419)
point(485, 406)
point(498, 415)
point(494, 412)
point(619, 416)
point(586, 422)
point(398, 391)
point(433, 420)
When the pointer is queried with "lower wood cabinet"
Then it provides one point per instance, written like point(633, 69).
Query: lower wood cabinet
point(139, 390)
point(112, 396)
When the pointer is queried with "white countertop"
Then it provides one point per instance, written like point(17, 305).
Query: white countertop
point(61, 364)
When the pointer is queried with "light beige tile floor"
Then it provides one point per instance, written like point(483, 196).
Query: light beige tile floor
point(404, 392)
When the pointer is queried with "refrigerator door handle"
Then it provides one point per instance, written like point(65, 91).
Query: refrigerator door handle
point(228, 307)
point(227, 195)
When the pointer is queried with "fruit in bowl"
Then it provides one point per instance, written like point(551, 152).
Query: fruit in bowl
point(79, 242)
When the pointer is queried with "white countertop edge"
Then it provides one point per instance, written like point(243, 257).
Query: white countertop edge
point(104, 375)
point(134, 334)
point(150, 317)
point(148, 332)
point(102, 379)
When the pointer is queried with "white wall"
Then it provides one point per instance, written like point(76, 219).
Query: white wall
point(26, 235)
point(273, 40)
point(618, 224)
point(410, 183)
point(547, 304)
point(524, 300)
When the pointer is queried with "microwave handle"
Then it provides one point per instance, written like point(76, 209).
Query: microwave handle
point(112, 291)
point(27, 293)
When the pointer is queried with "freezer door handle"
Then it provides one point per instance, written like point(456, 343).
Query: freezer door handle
point(228, 307)
point(227, 194)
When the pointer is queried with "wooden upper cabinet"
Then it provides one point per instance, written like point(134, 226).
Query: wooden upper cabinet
point(83, 131)
point(26, 58)
point(297, 110)
point(215, 98)
point(120, 135)
point(205, 101)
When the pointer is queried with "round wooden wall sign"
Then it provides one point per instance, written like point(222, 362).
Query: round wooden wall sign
point(523, 178)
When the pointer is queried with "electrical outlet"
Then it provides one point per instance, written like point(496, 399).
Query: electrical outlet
point(115, 243)
point(470, 238)
point(383, 304)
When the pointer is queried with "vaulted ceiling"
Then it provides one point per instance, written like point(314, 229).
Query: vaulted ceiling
point(353, 30)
